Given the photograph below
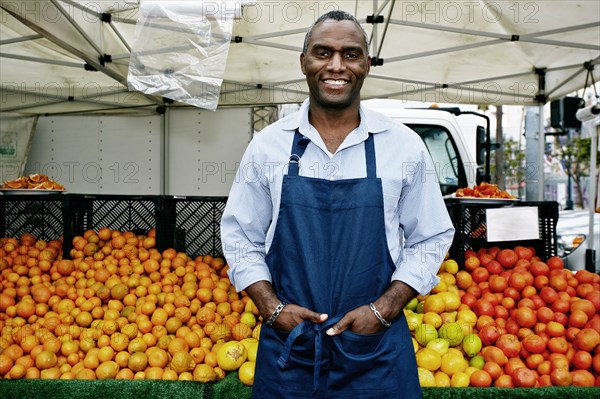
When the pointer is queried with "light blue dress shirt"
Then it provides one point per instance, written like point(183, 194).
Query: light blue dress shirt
point(418, 228)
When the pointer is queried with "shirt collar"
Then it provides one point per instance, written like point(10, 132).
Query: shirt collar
point(370, 121)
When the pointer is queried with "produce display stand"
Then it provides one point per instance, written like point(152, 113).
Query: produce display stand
point(231, 388)
point(469, 219)
point(191, 224)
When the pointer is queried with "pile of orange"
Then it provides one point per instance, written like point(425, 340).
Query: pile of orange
point(118, 308)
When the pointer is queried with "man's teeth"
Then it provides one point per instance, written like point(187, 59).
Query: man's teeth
point(335, 82)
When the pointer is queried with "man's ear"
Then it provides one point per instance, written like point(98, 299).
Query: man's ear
point(368, 64)
point(302, 63)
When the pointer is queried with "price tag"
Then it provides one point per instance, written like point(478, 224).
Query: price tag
point(512, 223)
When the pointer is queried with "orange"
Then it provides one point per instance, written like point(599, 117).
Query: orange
point(204, 373)
point(45, 360)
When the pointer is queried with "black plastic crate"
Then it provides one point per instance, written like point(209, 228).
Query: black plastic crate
point(117, 212)
point(192, 224)
point(469, 220)
point(43, 215)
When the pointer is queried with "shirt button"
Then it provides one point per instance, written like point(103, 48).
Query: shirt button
point(331, 178)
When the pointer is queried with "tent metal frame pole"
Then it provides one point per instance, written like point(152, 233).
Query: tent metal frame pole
point(77, 27)
point(567, 80)
point(20, 39)
point(41, 60)
point(118, 34)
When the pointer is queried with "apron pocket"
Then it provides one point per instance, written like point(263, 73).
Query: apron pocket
point(365, 363)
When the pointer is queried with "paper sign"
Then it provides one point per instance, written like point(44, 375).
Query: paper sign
point(512, 223)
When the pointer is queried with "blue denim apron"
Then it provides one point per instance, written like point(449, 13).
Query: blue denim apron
point(329, 254)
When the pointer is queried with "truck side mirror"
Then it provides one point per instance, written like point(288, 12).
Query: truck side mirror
point(481, 145)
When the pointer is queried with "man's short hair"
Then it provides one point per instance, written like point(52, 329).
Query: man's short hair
point(336, 15)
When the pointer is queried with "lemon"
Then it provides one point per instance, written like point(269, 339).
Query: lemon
point(451, 300)
point(251, 345)
point(412, 304)
point(459, 380)
point(413, 319)
point(425, 333)
point(246, 373)
point(248, 319)
point(439, 345)
point(231, 355)
point(441, 379)
point(477, 361)
point(450, 266)
point(470, 370)
point(415, 344)
point(453, 332)
point(448, 317)
point(453, 363)
point(472, 344)
point(432, 318)
point(426, 377)
point(434, 303)
point(467, 315)
point(429, 359)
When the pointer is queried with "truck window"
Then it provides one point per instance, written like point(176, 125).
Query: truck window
point(442, 148)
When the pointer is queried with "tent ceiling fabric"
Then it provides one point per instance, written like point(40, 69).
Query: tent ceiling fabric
point(53, 54)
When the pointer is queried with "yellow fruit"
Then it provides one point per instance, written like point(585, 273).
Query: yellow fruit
point(256, 331)
point(470, 370)
point(453, 363)
point(182, 361)
point(429, 359)
point(426, 377)
point(441, 287)
point(137, 361)
point(459, 380)
point(477, 361)
point(425, 333)
point(415, 344)
point(466, 315)
point(440, 345)
point(231, 355)
point(451, 301)
point(441, 379)
point(204, 373)
point(251, 345)
point(472, 344)
point(434, 303)
point(107, 370)
point(248, 319)
point(450, 266)
point(246, 373)
point(413, 319)
point(432, 318)
point(452, 332)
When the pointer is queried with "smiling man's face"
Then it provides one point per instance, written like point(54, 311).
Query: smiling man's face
point(336, 64)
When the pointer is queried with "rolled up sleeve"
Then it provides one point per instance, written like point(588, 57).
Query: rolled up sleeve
point(427, 228)
point(244, 224)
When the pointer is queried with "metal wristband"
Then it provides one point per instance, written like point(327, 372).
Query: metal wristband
point(276, 313)
point(379, 316)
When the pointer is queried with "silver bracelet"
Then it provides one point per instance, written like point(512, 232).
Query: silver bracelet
point(379, 316)
point(276, 313)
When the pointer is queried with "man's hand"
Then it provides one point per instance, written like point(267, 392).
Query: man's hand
point(266, 301)
point(292, 315)
point(362, 320)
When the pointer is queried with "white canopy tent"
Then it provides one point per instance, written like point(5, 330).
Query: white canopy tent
point(63, 56)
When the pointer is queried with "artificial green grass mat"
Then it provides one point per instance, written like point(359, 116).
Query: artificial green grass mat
point(231, 388)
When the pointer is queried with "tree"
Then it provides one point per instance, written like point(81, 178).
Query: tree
point(576, 155)
point(513, 165)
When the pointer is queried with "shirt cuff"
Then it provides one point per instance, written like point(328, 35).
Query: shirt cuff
point(419, 278)
point(243, 276)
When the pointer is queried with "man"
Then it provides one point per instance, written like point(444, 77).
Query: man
point(335, 221)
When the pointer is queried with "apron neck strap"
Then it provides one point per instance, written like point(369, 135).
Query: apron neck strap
point(370, 157)
point(298, 148)
point(301, 142)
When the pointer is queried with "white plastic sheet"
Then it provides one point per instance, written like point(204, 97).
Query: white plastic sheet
point(181, 49)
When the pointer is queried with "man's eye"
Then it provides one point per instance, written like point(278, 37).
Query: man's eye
point(322, 53)
point(352, 55)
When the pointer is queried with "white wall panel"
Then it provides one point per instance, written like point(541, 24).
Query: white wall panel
point(99, 154)
point(204, 150)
